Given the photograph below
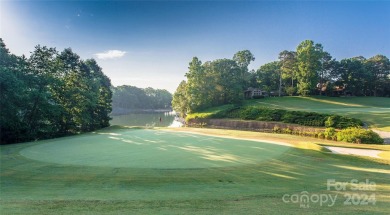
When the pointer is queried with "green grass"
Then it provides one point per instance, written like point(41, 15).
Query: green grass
point(373, 110)
point(208, 112)
point(56, 180)
point(139, 148)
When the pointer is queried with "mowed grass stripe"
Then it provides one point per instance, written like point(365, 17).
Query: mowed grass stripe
point(36, 187)
point(138, 148)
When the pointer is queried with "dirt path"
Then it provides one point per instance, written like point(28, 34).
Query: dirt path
point(384, 134)
point(351, 151)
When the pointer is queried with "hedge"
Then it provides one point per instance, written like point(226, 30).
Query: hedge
point(359, 135)
point(286, 116)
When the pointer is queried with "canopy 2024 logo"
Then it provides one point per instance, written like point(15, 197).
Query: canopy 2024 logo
point(352, 194)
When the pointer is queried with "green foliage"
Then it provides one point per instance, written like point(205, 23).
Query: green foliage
point(359, 135)
point(289, 64)
point(180, 100)
point(307, 71)
point(345, 122)
point(308, 59)
point(304, 118)
point(287, 131)
point(243, 58)
point(278, 115)
point(330, 133)
point(129, 98)
point(353, 74)
point(330, 121)
point(268, 76)
point(378, 69)
point(258, 97)
point(250, 113)
point(51, 95)
point(261, 114)
point(304, 88)
point(291, 90)
point(311, 70)
point(215, 112)
point(214, 83)
point(277, 129)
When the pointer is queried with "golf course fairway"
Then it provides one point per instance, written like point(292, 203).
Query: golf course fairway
point(122, 170)
point(145, 148)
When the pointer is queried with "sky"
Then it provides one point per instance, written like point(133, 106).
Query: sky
point(150, 43)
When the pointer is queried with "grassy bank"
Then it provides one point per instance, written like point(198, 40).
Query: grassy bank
point(373, 110)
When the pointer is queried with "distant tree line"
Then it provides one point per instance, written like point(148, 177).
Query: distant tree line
point(213, 83)
point(307, 71)
point(312, 71)
point(51, 94)
point(129, 98)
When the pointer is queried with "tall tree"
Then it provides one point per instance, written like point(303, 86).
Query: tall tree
point(328, 67)
point(198, 87)
point(228, 84)
point(101, 105)
point(308, 56)
point(353, 75)
point(180, 101)
point(13, 96)
point(288, 65)
point(378, 68)
point(269, 76)
point(50, 95)
point(243, 59)
point(42, 114)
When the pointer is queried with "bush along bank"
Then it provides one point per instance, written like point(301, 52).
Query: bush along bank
point(350, 135)
point(338, 128)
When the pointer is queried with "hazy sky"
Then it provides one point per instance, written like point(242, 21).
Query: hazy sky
point(150, 43)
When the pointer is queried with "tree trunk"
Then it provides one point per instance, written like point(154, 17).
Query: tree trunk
point(280, 84)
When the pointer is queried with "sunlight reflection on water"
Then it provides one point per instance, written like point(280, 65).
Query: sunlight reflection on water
point(175, 124)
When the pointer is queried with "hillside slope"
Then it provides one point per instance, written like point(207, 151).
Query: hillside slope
point(375, 111)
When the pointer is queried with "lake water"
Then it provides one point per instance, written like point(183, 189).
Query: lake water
point(145, 119)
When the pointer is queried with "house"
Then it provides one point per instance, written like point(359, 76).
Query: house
point(336, 90)
point(253, 93)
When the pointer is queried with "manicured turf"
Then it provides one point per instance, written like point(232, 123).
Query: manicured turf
point(55, 182)
point(139, 148)
point(373, 110)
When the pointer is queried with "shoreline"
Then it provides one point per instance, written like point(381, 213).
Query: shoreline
point(139, 111)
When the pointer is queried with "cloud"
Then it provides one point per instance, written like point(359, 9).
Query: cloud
point(110, 54)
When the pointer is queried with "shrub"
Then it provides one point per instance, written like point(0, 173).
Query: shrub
point(291, 90)
point(258, 97)
point(330, 121)
point(346, 122)
point(289, 117)
point(250, 113)
point(359, 135)
point(234, 113)
point(277, 129)
point(321, 135)
point(330, 133)
point(287, 131)
point(267, 114)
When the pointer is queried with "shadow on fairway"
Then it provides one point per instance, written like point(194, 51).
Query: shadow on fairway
point(145, 148)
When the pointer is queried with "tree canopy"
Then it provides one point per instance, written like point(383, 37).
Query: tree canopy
point(312, 71)
point(129, 98)
point(308, 70)
point(51, 94)
point(213, 83)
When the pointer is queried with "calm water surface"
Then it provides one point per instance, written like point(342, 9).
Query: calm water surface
point(144, 119)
